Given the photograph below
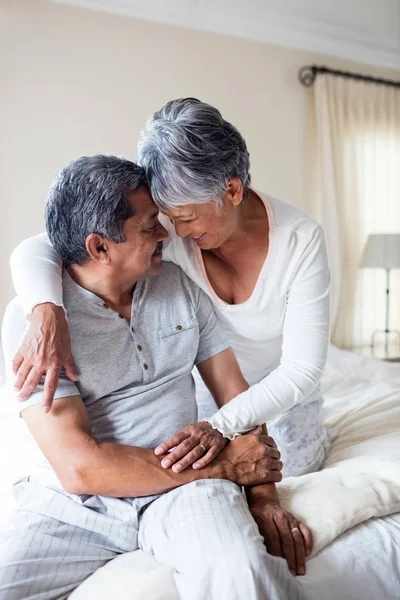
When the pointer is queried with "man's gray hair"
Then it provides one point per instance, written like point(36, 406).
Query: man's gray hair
point(190, 152)
point(89, 196)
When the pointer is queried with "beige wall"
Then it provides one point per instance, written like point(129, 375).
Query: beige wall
point(74, 81)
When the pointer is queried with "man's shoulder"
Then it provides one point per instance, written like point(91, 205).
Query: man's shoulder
point(174, 279)
point(172, 270)
point(172, 290)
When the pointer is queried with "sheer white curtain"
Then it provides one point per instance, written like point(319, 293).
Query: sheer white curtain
point(358, 192)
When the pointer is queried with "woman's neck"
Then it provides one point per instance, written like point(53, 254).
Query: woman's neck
point(251, 230)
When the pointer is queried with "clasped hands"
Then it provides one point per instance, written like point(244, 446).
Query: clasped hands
point(199, 444)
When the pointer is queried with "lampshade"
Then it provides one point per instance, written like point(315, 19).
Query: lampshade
point(382, 251)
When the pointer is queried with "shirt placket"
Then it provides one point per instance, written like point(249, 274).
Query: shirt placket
point(141, 346)
point(143, 351)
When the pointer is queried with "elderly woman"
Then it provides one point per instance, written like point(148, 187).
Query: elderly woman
point(264, 265)
point(262, 262)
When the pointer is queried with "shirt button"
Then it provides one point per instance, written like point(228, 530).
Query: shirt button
point(179, 327)
point(139, 348)
point(121, 316)
point(145, 367)
point(105, 306)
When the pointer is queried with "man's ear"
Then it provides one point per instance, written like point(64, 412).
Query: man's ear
point(234, 191)
point(98, 248)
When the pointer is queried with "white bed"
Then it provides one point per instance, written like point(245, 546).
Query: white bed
point(363, 563)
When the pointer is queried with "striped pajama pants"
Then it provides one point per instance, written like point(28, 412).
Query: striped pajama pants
point(203, 530)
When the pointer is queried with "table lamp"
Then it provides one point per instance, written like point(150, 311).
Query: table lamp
point(382, 251)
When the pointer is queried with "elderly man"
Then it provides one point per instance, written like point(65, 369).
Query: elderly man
point(102, 489)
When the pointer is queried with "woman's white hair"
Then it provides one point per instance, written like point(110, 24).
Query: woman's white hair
point(189, 153)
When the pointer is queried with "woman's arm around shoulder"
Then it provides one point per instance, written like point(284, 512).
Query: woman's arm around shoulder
point(36, 270)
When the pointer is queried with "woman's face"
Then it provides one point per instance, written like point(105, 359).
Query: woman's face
point(207, 225)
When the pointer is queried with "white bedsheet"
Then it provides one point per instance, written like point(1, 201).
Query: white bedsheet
point(361, 476)
point(362, 400)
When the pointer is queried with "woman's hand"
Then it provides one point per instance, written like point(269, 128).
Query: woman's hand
point(45, 348)
point(283, 533)
point(195, 445)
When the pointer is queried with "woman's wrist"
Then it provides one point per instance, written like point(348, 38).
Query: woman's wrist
point(46, 308)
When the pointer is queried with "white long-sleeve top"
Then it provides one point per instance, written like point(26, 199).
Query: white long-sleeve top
point(280, 335)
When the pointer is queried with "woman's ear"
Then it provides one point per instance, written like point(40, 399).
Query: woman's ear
point(97, 248)
point(234, 191)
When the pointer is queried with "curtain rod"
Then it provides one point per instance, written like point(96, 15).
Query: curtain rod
point(307, 76)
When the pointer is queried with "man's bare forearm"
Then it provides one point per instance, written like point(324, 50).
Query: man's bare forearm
point(265, 492)
point(85, 465)
point(127, 471)
point(115, 470)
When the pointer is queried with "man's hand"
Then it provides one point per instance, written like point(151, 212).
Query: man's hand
point(283, 533)
point(248, 461)
point(45, 348)
point(196, 445)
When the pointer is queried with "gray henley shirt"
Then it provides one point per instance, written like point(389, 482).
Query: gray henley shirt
point(135, 378)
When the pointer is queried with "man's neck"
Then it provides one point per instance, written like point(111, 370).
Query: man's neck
point(116, 294)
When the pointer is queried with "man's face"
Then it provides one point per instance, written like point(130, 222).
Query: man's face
point(140, 255)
